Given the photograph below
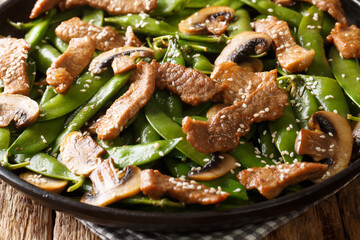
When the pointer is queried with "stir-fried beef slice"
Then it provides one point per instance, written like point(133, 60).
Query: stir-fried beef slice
point(346, 39)
point(118, 7)
point(105, 38)
point(111, 185)
point(124, 108)
point(333, 7)
point(155, 185)
point(43, 6)
point(13, 55)
point(285, 3)
point(70, 64)
point(80, 153)
point(290, 55)
point(193, 87)
point(239, 83)
point(222, 132)
point(123, 64)
point(131, 39)
point(272, 180)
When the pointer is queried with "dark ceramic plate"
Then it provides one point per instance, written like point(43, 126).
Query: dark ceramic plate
point(18, 10)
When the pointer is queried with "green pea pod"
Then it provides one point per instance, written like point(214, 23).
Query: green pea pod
point(173, 53)
point(37, 137)
point(144, 132)
point(61, 45)
point(46, 165)
point(309, 36)
point(48, 94)
point(4, 144)
point(44, 56)
point(328, 25)
point(240, 24)
point(179, 119)
point(202, 47)
point(201, 3)
point(142, 153)
point(168, 7)
point(267, 7)
point(93, 16)
point(169, 103)
point(143, 200)
point(199, 62)
point(176, 167)
point(198, 110)
point(83, 88)
point(175, 19)
point(303, 102)
point(267, 147)
point(37, 33)
point(284, 131)
point(125, 138)
point(347, 73)
point(102, 96)
point(245, 154)
point(328, 92)
point(24, 26)
point(169, 129)
point(31, 71)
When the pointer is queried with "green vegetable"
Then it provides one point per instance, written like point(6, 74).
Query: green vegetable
point(240, 24)
point(168, 7)
point(93, 16)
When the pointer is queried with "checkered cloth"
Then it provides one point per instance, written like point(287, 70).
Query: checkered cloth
point(246, 232)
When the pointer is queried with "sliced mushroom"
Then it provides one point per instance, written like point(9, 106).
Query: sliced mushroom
point(244, 45)
point(23, 110)
point(111, 184)
point(356, 141)
point(218, 166)
point(329, 138)
point(43, 182)
point(104, 60)
point(252, 65)
point(214, 19)
point(80, 153)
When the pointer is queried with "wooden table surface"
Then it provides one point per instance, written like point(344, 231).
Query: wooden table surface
point(336, 218)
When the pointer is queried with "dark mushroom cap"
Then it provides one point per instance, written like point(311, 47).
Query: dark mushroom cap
point(18, 108)
point(244, 45)
point(104, 60)
point(214, 19)
point(328, 139)
point(218, 166)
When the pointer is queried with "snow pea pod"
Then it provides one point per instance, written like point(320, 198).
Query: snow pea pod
point(93, 16)
point(37, 32)
point(46, 165)
point(245, 154)
point(267, 147)
point(54, 40)
point(240, 24)
point(105, 93)
point(199, 62)
point(203, 47)
point(83, 88)
point(169, 129)
point(141, 153)
point(328, 92)
point(309, 36)
point(49, 93)
point(169, 103)
point(269, 8)
point(179, 119)
point(284, 131)
point(347, 73)
point(144, 132)
point(143, 200)
point(201, 3)
point(173, 53)
point(177, 168)
point(168, 7)
point(44, 56)
point(37, 137)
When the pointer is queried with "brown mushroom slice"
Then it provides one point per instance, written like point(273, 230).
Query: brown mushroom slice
point(346, 39)
point(356, 141)
point(111, 185)
point(43, 182)
point(272, 180)
point(218, 166)
point(214, 19)
point(244, 45)
point(104, 60)
point(330, 138)
point(80, 153)
point(18, 108)
point(155, 185)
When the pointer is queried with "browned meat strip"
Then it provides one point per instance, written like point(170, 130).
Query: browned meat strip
point(80, 153)
point(110, 184)
point(346, 39)
point(155, 185)
point(272, 180)
point(285, 3)
point(123, 64)
point(43, 6)
point(70, 64)
point(13, 54)
point(118, 7)
point(333, 7)
point(290, 55)
point(105, 38)
point(239, 83)
point(193, 87)
point(131, 39)
point(222, 132)
point(123, 109)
